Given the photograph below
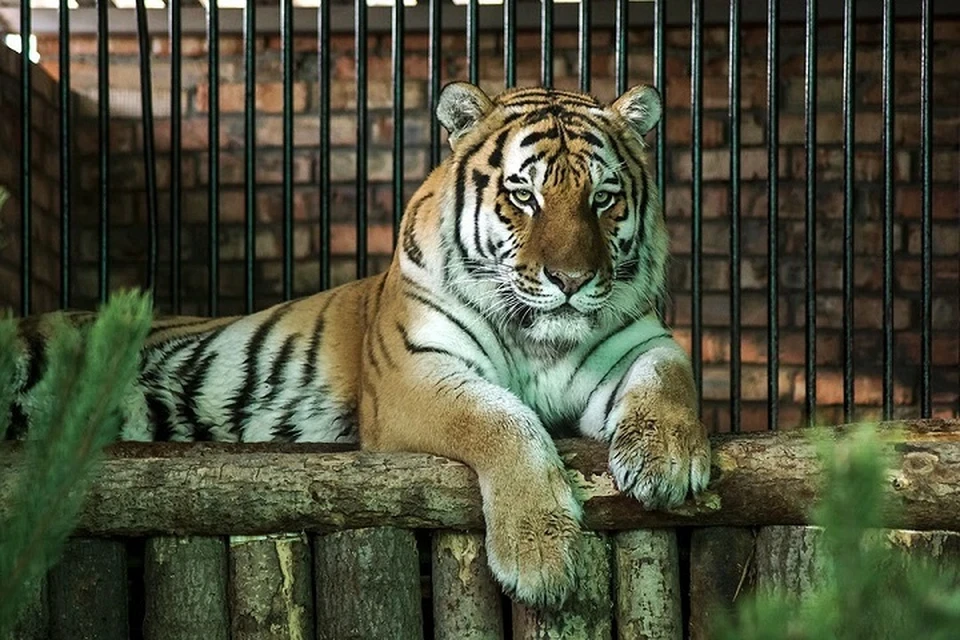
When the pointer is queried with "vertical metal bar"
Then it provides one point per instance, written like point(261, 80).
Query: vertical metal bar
point(286, 54)
point(149, 153)
point(26, 144)
point(810, 112)
point(887, 144)
point(620, 52)
point(849, 145)
point(734, 206)
point(176, 148)
point(435, 28)
point(510, 43)
point(66, 135)
point(696, 106)
point(323, 30)
point(773, 130)
point(584, 46)
point(397, 38)
point(926, 231)
point(213, 137)
point(546, 43)
point(473, 41)
point(103, 122)
point(249, 150)
point(660, 80)
point(361, 74)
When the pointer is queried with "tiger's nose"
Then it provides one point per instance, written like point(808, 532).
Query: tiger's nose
point(569, 282)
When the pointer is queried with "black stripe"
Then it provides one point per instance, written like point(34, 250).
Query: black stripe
point(481, 180)
point(536, 136)
point(313, 348)
point(383, 347)
point(410, 245)
point(418, 349)
point(240, 409)
point(496, 157)
point(159, 414)
point(278, 370)
point(435, 307)
point(36, 359)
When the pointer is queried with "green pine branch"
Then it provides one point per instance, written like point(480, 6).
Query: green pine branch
point(868, 591)
point(77, 413)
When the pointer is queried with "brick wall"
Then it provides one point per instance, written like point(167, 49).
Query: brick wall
point(45, 166)
point(129, 237)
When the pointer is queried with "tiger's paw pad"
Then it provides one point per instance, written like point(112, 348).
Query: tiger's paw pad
point(533, 553)
point(660, 457)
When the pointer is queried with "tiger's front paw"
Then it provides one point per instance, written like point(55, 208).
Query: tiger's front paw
point(533, 533)
point(659, 453)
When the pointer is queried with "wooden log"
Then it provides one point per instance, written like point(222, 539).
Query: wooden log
point(646, 570)
point(367, 585)
point(248, 489)
point(271, 587)
point(721, 563)
point(466, 599)
point(33, 621)
point(185, 589)
point(789, 559)
point(588, 612)
point(88, 591)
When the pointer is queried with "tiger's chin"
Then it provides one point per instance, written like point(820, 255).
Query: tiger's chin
point(558, 330)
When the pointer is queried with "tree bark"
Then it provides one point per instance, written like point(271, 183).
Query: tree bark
point(88, 591)
point(250, 489)
point(33, 621)
point(367, 585)
point(721, 568)
point(789, 560)
point(646, 572)
point(186, 589)
point(271, 587)
point(466, 599)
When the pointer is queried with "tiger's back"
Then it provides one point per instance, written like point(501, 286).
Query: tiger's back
point(286, 373)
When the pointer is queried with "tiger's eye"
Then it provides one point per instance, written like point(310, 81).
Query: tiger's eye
point(523, 196)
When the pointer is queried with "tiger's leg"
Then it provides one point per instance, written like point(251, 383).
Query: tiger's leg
point(659, 450)
point(531, 515)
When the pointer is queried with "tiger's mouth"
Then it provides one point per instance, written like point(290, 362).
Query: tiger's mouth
point(527, 316)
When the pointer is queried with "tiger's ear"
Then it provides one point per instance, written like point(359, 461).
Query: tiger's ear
point(640, 107)
point(460, 107)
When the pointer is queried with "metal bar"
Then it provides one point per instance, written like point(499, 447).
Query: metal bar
point(176, 149)
point(286, 54)
point(849, 147)
point(397, 41)
point(249, 151)
point(584, 45)
point(149, 152)
point(213, 170)
point(433, 87)
point(103, 152)
point(473, 42)
point(773, 129)
point(66, 135)
point(510, 43)
point(546, 43)
point(83, 20)
point(660, 81)
point(361, 75)
point(887, 144)
point(696, 197)
point(926, 232)
point(323, 28)
point(810, 113)
point(26, 149)
point(621, 21)
point(734, 206)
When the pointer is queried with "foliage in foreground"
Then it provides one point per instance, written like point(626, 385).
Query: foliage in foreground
point(868, 591)
point(88, 373)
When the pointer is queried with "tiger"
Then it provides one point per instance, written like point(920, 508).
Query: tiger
point(520, 305)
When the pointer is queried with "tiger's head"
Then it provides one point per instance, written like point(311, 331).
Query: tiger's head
point(554, 224)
